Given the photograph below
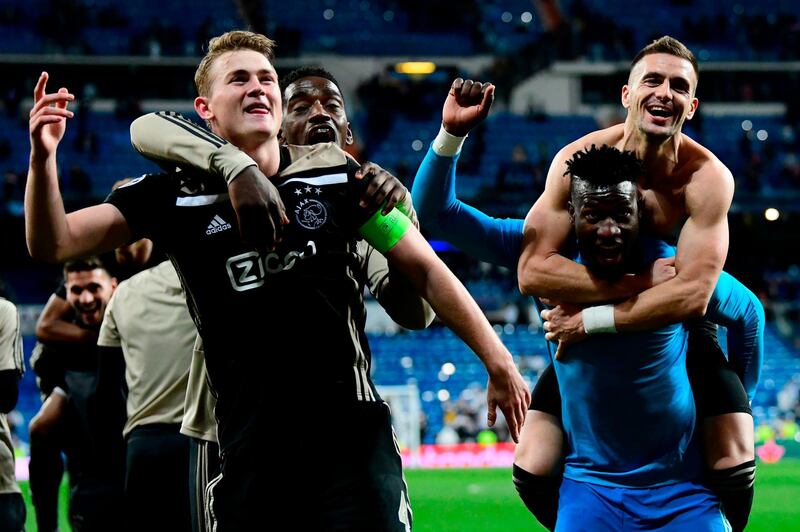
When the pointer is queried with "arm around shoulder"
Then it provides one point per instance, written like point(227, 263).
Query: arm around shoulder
point(701, 253)
point(542, 270)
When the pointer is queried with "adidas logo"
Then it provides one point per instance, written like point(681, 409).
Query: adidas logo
point(217, 225)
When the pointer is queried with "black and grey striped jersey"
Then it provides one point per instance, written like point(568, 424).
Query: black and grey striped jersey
point(278, 327)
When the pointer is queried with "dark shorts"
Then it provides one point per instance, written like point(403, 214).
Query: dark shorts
point(12, 512)
point(716, 387)
point(340, 470)
point(546, 397)
point(156, 473)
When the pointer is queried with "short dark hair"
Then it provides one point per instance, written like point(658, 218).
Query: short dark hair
point(87, 264)
point(307, 72)
point(668, 45)
point(605, 165)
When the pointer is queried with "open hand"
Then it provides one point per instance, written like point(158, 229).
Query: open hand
point(507, 389)
point(48, 118)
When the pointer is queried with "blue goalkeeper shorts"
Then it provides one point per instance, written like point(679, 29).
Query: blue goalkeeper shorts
point(676, 508)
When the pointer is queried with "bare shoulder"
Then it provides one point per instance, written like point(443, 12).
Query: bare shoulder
point(611, 136)
point(704, 165)
point(555, 177)
point(710, 183)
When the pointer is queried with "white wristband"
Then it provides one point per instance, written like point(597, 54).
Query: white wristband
point(599, 319)
point(446, 144)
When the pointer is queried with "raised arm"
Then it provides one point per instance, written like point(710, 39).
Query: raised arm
point(542, 270)
point(442, 214)
point(52, 234)
point(734, 306)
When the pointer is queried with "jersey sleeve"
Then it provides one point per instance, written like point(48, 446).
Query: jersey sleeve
point(734, 306)
point(172, 141)
point(443, 215)
point(145, 203)
point(109, 333)
point(10, 338)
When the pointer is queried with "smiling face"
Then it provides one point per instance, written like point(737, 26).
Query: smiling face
point(244, 100)
point(315, 113)
point(88, 292)
point(606, 222)
point(659, 95)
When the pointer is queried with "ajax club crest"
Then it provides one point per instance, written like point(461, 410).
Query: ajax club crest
point(310, 213)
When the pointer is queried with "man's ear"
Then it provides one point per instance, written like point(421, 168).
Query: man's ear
point(348, 139)
point(281, 138)
point(202, 108)
point(625, 98)
point(692, 109)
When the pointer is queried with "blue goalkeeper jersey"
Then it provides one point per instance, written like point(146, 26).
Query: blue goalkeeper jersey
point(628, 411)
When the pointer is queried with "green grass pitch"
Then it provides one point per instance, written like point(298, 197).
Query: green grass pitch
point(484, 500)
point(467, 500)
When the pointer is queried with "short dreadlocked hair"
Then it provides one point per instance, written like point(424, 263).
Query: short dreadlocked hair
point(307, 72)
point(605, 165)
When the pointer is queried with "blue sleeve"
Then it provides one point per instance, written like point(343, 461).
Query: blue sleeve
point(738, 309)
point(494, 240)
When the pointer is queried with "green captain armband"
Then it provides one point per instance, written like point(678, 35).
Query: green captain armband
point(383, 232)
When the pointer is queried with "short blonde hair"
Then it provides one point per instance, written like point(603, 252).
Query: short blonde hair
point(230, 42)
